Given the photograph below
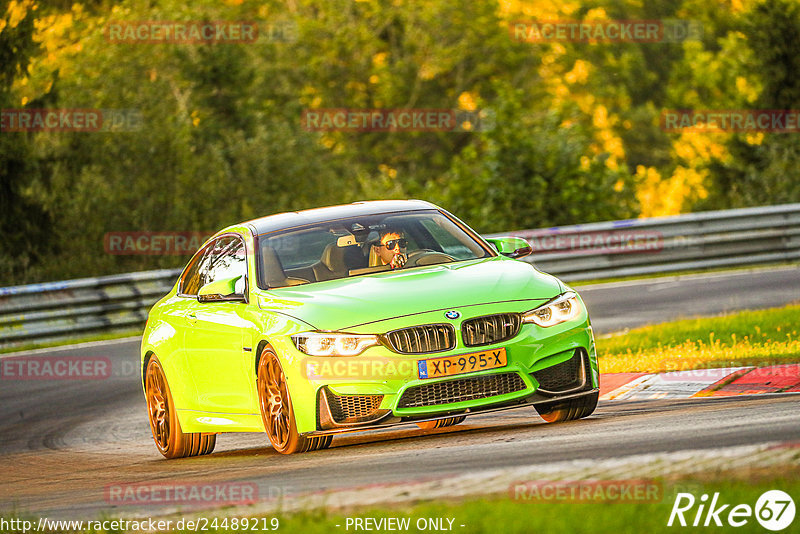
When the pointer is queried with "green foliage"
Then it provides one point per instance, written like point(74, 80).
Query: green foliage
point(23, 223)
point(221, 138)
point(764, 172)
point(218, 142)
point(773, 30)
point(527, 173)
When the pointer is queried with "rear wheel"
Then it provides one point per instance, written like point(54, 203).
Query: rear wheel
point(170, 440)
point(569, 410)
point(277, 412)
point(442, 423)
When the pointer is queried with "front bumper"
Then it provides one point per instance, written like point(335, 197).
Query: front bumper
point(315, 383)
point(572, 377)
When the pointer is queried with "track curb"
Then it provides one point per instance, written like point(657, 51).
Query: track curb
point(701, 383)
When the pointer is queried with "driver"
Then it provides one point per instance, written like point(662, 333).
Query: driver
point(391, 250)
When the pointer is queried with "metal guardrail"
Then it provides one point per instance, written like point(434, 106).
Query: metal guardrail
point(712, 239)
point(55, 311)
point(61, 310)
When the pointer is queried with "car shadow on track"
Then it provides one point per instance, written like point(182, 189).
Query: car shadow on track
point(518, 424)
point(509, 428)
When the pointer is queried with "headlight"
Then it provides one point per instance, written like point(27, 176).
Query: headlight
point(559, 310)
point(333, 343)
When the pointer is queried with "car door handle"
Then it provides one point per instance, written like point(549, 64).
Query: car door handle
point(192, 318)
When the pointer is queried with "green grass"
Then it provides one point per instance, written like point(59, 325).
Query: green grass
point(502, 513)
point(512, 516)
point(761, 337)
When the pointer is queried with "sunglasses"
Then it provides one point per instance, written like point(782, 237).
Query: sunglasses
point(402, 243)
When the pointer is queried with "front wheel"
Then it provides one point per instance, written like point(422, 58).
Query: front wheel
point(277, 412)
point(170, 440)
point(569, 410)
point(442, 423)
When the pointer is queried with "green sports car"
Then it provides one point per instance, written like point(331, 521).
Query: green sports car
point(356, 317)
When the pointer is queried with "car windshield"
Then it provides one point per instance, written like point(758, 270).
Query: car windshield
point(362, 245)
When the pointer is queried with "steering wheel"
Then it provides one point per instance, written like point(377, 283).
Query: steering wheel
point(426, 256)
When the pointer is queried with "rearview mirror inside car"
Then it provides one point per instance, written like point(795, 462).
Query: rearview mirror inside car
point(346, 241)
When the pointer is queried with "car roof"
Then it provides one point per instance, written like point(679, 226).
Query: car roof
point(283, 221)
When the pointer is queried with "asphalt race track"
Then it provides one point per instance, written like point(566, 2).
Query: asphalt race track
point(63, 442)
point(623, 305)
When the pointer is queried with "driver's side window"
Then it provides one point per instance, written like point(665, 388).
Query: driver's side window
point(224, 257)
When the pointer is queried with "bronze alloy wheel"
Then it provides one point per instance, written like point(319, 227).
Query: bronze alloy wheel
point(170, 440)
point(277, 412)
point(569, 410)
point(157, 405)
point(442, 423)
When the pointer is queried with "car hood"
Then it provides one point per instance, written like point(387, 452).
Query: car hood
point(351, 302)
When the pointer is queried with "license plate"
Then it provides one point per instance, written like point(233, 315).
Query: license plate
point(462, 363)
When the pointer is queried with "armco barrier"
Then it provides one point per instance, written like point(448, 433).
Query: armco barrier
point(62, 310)
point(751, 236)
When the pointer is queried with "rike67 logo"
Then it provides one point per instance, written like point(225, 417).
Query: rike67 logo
point(774, 510)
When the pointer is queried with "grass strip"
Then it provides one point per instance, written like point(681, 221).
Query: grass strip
point(754, 337)
point(603, 511)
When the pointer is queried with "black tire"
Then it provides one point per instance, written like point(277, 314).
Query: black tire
point(569, 410)
point(277, 412)
point(442, 423)
point(170, 440)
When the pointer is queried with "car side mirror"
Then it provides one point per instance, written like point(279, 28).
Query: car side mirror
point(511, 247)
point(221, 290)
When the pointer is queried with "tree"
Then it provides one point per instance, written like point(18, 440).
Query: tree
point(532, 171)
point(24, 224)
point(763, 167)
